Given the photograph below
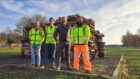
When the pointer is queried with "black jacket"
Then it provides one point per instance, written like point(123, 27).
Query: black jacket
point(63, 32)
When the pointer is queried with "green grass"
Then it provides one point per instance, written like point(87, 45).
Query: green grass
point(28, 73)
point(9, 50)
point(133, 56)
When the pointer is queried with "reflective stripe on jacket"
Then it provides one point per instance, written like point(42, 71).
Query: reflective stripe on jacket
point(80, 34)
point(36, 36)
point(49, 32)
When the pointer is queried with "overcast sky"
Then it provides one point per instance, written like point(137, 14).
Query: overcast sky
point(112, 17)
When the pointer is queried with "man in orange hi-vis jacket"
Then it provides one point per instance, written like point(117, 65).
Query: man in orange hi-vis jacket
point(80, 35)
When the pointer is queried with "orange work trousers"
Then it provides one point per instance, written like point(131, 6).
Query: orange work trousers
point(78, 50)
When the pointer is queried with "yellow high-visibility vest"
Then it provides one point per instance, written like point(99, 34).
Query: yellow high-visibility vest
point(49, 32)
point(80, 35)
point(36, 36)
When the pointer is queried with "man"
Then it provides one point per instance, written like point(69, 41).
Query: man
point(80, 35)
point(50, 43)
point(62, 36)
point(36, 36)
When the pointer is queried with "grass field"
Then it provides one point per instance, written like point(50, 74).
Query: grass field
point(132, 54)
point(10, 50)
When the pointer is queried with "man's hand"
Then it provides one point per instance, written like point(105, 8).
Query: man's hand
point(85, 42)
point(57, 41)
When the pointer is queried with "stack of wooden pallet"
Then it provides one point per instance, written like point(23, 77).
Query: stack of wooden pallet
point(96, 44)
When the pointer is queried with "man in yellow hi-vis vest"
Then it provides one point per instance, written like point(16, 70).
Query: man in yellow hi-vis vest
point(36, 36)
point(80, 35)
point(50, 43)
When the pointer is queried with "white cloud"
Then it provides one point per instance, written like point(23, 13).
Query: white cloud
point(11, 5)
point(116, 12)
point(112, 17)
point(51, 7)
point(115, 18)
point(7, 16)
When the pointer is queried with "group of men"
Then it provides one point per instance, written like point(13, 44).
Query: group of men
point(64, 35)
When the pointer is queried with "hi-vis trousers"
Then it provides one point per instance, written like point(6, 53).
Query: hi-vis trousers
point(78, 50)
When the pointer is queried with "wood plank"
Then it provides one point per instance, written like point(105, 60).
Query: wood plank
point(116, 71)
point(92, 75)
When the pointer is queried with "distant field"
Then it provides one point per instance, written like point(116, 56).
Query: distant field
point(10, 50)
point(133, 56)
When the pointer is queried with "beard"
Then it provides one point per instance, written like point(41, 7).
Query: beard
point(79, 23)
point(64, 21)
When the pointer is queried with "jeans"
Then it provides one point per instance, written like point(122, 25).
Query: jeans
point(35, 50)
point(49, 49)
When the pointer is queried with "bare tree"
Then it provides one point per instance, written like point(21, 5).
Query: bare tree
point(130, 39)
point(24, 21)
point(38, 17)
point(138, 32)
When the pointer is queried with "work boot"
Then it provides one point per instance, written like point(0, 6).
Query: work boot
point(38, 66)
point(69, 68)
point(53, 66)
point(75, 70)
point(32, 66)
point(58, 68)
point(88, 71)
point(43, 66)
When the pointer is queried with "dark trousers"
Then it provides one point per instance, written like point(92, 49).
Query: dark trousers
point(62, 46)
point(49, 49)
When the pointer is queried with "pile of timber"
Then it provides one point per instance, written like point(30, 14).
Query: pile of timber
point(96, 44)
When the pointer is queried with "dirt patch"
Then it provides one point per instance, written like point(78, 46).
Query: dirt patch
point(105, 66)
point(13, 59)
